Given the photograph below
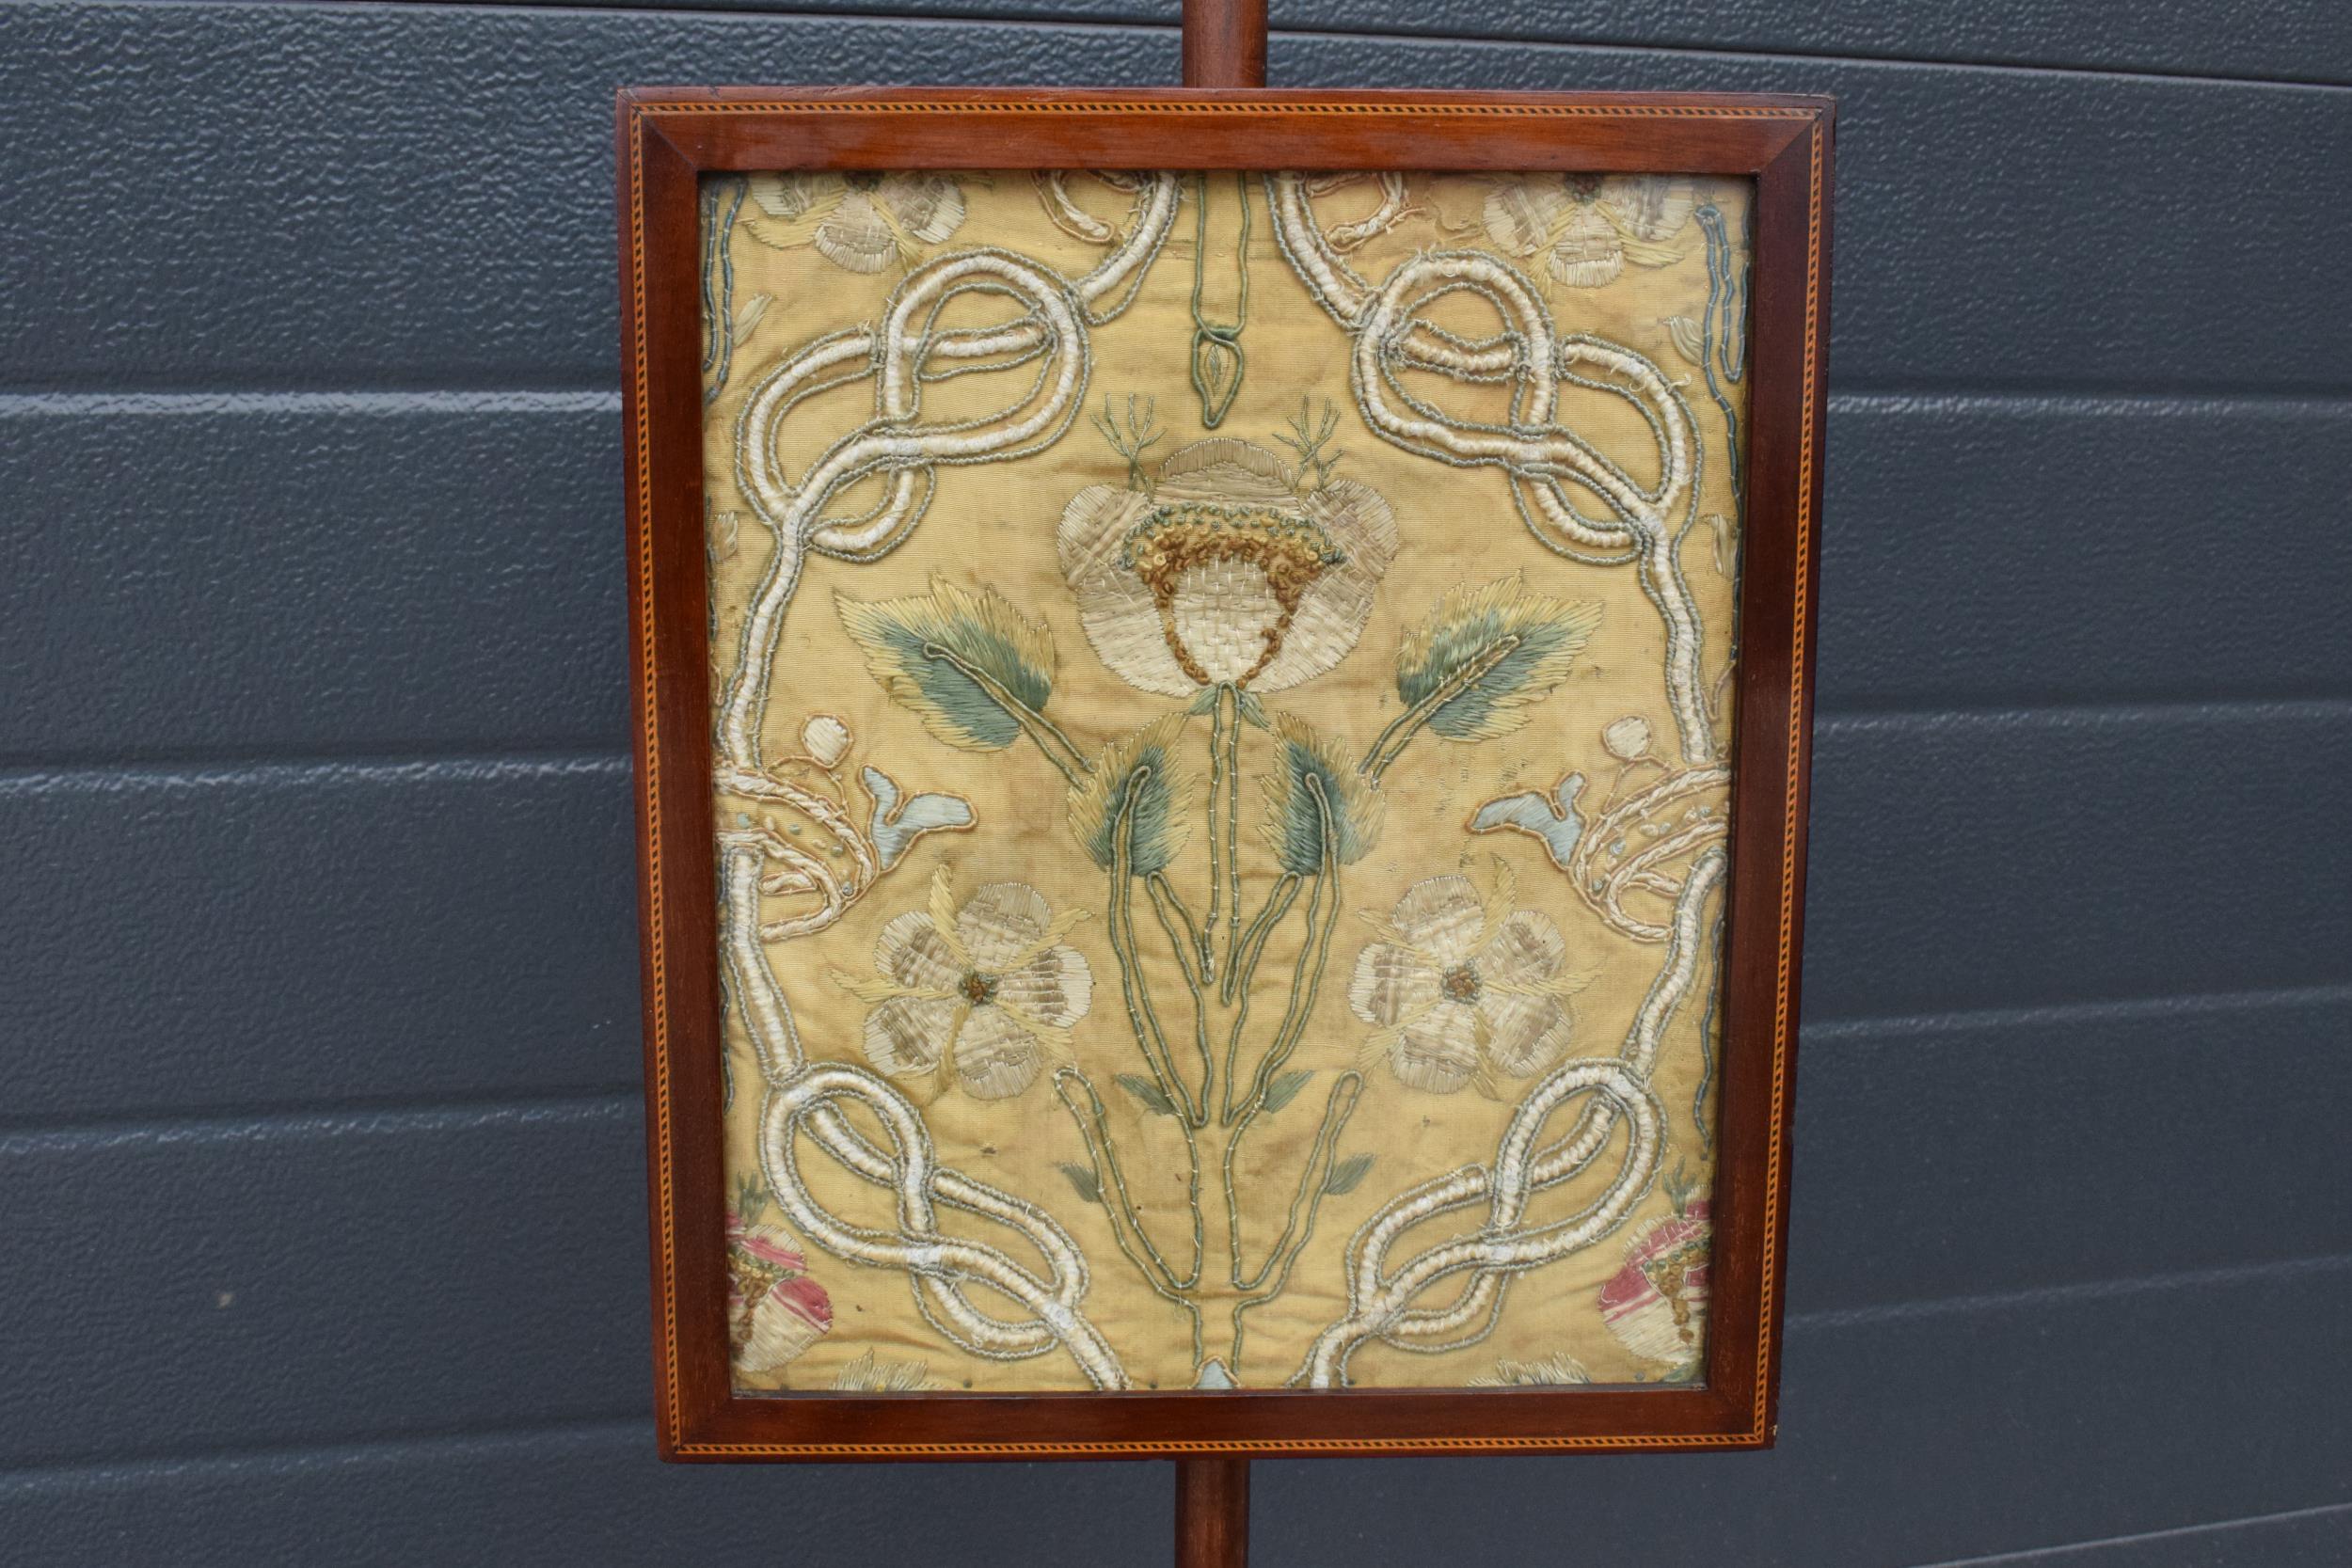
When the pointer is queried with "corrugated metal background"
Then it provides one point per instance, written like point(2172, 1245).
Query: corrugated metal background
point(319, 1160)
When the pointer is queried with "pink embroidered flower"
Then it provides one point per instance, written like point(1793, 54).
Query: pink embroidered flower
point(774, 1310)
point(1657, 1304)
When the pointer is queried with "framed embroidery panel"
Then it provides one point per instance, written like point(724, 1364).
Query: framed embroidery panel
point(1223, 696)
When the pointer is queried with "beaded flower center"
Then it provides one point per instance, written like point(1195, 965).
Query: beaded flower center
point(1226, 580)
point(1460, 984)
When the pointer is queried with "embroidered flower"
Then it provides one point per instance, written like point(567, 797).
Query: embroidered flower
point(1586, 227)
point(981, 996)
point(1465, 989)
point(867, 1375)
point(860, 222)
point(774, 1310)
point(1557, 1370)
point(1657, 1304)
point(1226, 570)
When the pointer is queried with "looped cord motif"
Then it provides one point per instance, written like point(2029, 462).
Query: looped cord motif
point(1644, 524)
point(804, 1099)
point(1381, 1299)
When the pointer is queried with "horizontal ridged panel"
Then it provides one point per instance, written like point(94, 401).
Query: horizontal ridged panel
point(301, 934)
point(476, 1265)
point(2027, 551)
point(2193, 38)
point(468, 929)
point(1973, 860)
point(309, 1278)
point(2000, 1151)
point(1907, 1440)
point(379, 195)
point(374, 573)
point(226, 580)
point(334, 194)
point(2186, 37)
point(2012, 229)
point(2310, 1537)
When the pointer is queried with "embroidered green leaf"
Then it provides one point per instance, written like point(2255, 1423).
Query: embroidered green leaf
point(1485, 653)
point(1140, 787)
point(1349, 1174)
point(1148, 1093)
point(1285, 1088)
point(1082, 1178)
point(969, 665)
point(1311, 776)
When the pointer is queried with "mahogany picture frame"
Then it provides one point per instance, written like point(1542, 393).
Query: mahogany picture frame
point(667, 139)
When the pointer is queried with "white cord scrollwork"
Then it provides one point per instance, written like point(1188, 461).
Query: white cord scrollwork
point(1382, 1299)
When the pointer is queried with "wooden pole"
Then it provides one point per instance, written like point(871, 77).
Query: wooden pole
point(1225, 43)
point(1224, 47)
point(1212, 1513)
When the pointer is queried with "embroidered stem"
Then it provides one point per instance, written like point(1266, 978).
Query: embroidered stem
point(1277, 904)
point(1312, 1187)
point(1142, 1017)
point(1094, 1131)
point(719, 306)
point(1323, 907)
point(1314, 956)
point(1218, 784)
point(1238, 974)
point(1153, 884)
point(1164, 894)
point(1232, 829)
point(1709, 1023)
point(1217, 362)
point(1721, 346)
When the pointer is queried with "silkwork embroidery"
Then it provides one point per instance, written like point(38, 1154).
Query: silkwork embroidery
point(1184, 707)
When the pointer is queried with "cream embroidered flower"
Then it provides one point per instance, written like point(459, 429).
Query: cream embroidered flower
point(774, 1310)
point(860, 222)
point(869, 1375)
point(1228, 570)
point(1465, 988)
point(1557, 1370)
point(1586, 227)
point(982, 996)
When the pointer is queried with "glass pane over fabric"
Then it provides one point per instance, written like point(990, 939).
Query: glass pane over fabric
point(1222, 703)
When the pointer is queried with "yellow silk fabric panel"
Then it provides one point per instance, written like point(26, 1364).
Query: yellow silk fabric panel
point(827, 1320)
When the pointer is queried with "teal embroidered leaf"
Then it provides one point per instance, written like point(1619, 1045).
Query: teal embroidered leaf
point(1310, 776)
point(1285, 1089)
point(968, 664)
point(1148, 1093)
point(1082, 1178)
point(1349, 1174)
point(1486, 654)
point(1141, 788)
